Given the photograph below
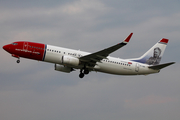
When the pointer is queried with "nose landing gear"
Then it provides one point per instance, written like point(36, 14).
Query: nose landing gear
point(16, 56)
point(18, 61)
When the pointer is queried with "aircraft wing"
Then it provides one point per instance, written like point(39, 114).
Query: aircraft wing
point(98, 56)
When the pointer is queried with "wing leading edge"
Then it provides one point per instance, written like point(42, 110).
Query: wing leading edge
point(98, 56)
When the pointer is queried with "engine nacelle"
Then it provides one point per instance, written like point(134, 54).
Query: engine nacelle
point(62, 68)
point(69, 60)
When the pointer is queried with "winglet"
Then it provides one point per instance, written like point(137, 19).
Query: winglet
point(164, 40)
point(128, 38)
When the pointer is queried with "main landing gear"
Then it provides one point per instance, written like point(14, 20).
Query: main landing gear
point(83, 72)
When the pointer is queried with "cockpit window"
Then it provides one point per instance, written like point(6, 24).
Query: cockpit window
point(14, 43)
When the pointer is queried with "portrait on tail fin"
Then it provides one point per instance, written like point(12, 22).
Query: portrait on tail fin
point(155, 59)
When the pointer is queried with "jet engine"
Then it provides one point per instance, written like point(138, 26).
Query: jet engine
point(69, 60)
point(62, 68)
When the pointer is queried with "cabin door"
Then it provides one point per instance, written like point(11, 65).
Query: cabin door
point(137, 67)
point(25, 46)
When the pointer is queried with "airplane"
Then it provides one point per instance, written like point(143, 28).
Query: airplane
point(68, 60)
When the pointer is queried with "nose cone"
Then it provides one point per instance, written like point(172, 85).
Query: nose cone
point(6, 48)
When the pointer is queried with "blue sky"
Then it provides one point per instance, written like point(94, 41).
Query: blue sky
point(33, 90)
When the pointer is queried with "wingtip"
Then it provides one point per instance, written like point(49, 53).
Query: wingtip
point(164, 40)
point(128, 38)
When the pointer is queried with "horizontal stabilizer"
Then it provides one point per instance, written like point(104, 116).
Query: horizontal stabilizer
point(160, 66)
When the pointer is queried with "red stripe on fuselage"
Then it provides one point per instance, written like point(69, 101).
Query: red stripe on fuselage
point(29, 50)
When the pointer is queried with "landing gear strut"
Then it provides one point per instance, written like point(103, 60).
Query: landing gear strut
point(81, 75)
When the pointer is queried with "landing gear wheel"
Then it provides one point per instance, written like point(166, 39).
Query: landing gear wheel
point(81, 75)
point(18, 61)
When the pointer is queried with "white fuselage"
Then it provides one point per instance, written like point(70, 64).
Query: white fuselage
point(110, 65)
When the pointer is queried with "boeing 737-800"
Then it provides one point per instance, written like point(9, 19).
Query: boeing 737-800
point(68, 60)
